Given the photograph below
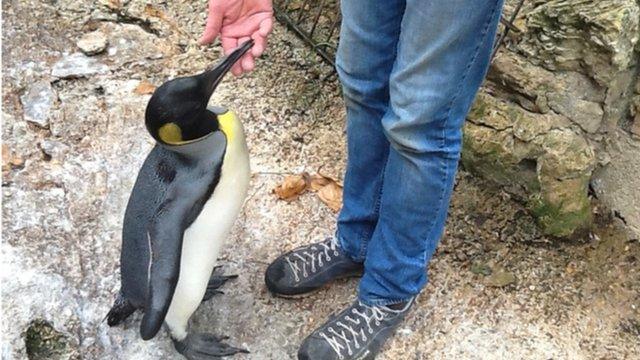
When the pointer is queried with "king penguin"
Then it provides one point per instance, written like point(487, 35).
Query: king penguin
point(185, 200)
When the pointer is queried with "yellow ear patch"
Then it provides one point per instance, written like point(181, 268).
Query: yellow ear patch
point(227, 123)
point(170, 133)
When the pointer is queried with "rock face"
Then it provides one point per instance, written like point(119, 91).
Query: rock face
point(557, 100)
point(596, 36)
point(535, 157)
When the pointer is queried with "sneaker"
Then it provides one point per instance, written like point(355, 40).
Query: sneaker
point(309, 268)
point(358, 332)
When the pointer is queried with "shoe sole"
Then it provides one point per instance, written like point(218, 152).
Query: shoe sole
point(309, 293)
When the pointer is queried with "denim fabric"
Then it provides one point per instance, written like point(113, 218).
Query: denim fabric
point(410, 70)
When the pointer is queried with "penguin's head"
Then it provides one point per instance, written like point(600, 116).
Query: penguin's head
point(177, 111)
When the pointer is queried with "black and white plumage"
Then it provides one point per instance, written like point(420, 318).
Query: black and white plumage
point(185, 200)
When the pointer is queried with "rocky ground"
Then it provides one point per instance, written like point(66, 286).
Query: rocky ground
point(73, 140)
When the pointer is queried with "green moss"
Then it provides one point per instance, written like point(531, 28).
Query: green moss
point(480, 268)
point(42, 342)
point(487, 164)
point(478, 109)
point(527, 175)
point(492, 163)
point(514, 115)
point(556, 222)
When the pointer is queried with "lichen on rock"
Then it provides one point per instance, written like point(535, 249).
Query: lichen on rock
point(547, 168)
point(599, 36)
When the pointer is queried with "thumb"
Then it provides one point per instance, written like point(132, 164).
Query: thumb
point(214, 23)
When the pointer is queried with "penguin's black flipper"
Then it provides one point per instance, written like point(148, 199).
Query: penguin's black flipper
point(165, 235)
point(205, 347)
point(122, 308)
point(215, 282)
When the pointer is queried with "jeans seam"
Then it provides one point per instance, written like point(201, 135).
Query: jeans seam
point(365, 244)
point(378, 204)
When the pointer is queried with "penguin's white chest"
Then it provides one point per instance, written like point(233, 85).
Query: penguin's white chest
point(205, 237)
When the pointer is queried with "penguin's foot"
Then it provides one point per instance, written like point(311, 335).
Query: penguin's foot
point(215, 282)
point(205, 347)
point(120, 310)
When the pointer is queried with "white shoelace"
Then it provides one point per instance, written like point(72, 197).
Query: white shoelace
point(311, 258)
point(344, 332)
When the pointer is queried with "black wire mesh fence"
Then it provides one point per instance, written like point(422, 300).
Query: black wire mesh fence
point(317, 23)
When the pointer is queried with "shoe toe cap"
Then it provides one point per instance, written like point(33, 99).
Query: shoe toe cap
point(274, 275)
point(316, 348)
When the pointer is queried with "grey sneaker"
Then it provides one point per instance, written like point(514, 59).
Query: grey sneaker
point(309, 268)
point(358, 332)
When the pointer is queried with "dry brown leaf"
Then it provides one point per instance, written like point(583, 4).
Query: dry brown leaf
point(318, 181)
point(6, 156)
point(292, 187)
point(16, 160)
point(144, 88)
point(155, 12)
point(331, 194)
point(152, 11)
point(295, 5)
point(112, 4)
point(9, 158)
point(328, 190)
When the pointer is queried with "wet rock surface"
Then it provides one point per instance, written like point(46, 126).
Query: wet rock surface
point(65, 188)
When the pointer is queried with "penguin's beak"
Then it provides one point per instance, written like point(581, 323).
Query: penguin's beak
point(213, 76)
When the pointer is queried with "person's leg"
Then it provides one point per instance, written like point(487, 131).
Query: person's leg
point(368, 42)
point(443, 55)
point(367, 51)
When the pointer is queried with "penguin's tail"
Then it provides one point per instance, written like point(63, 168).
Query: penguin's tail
point(120, 310)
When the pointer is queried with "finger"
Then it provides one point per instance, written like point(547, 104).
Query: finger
point(214, 22)
point(260, 37)
point(266, 26)
point(228, 45)
point(259, 44)
point(247, 61)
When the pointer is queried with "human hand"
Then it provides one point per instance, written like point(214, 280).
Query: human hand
point(237, 21)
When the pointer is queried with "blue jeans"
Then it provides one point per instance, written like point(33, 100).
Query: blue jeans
point(410, 70)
